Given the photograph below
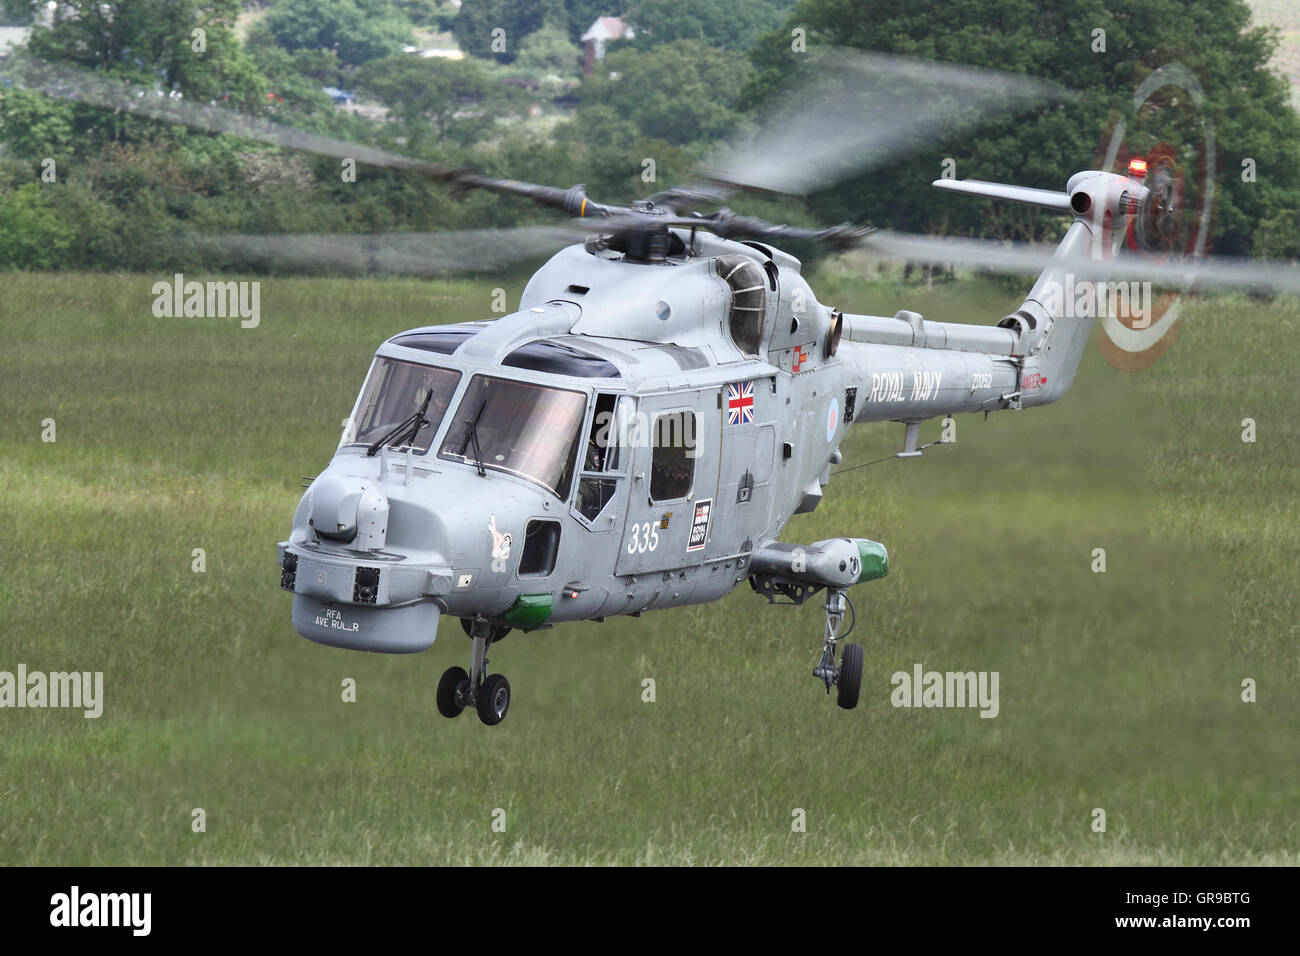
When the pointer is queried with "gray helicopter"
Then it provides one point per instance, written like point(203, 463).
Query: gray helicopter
point(635, 437)
point(670, 391)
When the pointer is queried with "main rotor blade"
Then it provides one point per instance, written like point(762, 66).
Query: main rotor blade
point(110, 93)
point(1020, 258)
point(727, 225)
point(856, 110)
point(393, 253)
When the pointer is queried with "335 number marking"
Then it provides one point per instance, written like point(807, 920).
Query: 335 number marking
point(645, 537)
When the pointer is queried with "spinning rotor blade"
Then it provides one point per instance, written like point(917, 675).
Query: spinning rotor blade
point(857, 110)
point(727, 225)
point(97, 89)
point(106, 92)
point(1020, 258)
point(393, 253)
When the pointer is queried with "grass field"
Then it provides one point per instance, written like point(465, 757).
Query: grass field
point(1119, 690)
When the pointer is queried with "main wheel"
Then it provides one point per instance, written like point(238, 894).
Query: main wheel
point(452, 689)
point(493, 700)
point(850, 679)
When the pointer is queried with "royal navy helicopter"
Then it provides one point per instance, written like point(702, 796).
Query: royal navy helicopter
point(635, 436)
point(669, 393)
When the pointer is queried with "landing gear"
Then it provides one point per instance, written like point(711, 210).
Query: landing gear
point(493, 700)
point(453, 691)
point(850, 680)
point(848, 675)
point(490, 696)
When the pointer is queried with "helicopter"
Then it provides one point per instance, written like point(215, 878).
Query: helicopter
point(636, 435)
point(668, 395)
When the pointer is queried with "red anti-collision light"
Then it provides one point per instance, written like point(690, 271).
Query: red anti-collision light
point(1137, 167)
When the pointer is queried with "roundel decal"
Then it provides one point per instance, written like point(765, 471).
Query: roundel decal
point(832, 419)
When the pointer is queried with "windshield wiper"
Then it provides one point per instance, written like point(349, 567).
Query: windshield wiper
point(471, 435)
point(412, 424)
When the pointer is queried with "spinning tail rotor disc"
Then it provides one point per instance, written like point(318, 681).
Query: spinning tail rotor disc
point(1169, 144)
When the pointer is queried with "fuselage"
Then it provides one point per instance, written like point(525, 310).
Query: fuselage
point(623, 442)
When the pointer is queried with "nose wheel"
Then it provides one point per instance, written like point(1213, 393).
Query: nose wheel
point(847, 676)
point(490, 695)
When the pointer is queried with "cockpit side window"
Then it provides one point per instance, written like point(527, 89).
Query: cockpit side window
point(603, 436)
point(603, 456)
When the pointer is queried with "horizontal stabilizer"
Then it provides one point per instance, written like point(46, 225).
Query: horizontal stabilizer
point(1047, 198)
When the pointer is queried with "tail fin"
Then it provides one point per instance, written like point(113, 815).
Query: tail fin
point(1054, 322)
point(1060, 323)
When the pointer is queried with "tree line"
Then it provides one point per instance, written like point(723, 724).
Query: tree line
point(85, 188)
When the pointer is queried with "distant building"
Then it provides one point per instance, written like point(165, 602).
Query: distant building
point(600, 33)
point(13, 37)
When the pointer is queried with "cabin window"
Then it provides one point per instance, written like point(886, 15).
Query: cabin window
point(672, 462)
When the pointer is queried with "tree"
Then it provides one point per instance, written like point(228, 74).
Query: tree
point(358, 30)
point(726, 24)
point(34, 126)
point(185, 48)
point(150, 41)
point(1247, 102)
point(549, 51)
point(680, 93)
point(496, 28)
point(452, 100)
point(31, 236)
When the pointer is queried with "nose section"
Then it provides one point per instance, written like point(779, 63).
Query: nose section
point(350, 589)
point(349, 510)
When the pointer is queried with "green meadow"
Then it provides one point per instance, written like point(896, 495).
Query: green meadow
point(1119, 690)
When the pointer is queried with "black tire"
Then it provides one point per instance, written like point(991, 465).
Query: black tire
point(493, 700)
point(453, 679)
point(850, 680)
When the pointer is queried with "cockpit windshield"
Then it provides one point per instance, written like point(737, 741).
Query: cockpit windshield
point(518, 427)
point(393, 393)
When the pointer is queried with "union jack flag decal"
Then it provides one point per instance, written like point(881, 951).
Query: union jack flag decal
point(740, 403)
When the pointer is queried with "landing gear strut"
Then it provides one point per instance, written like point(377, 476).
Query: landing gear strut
point(489, 695)
point(848, 675)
